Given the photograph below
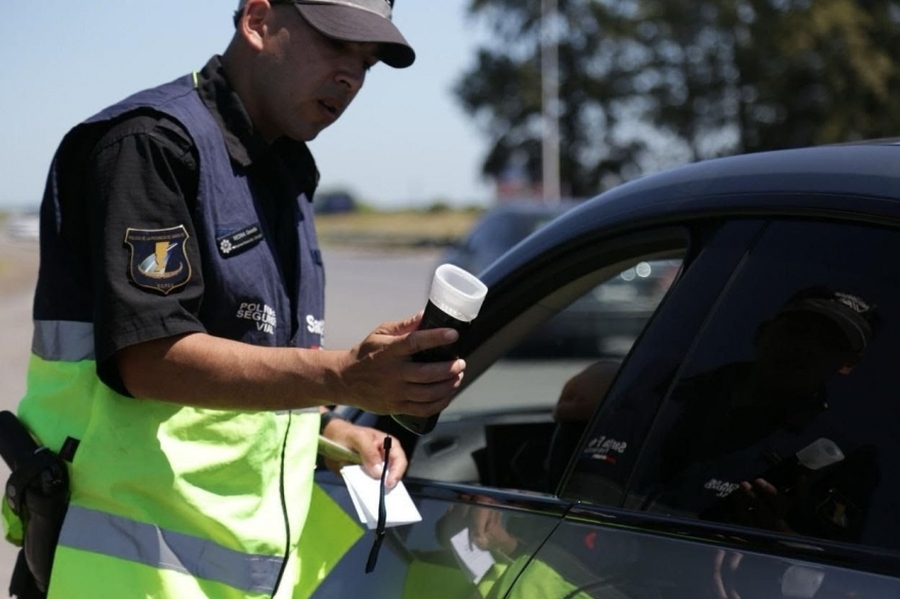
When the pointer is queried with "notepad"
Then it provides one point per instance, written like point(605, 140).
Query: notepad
point(364, 491)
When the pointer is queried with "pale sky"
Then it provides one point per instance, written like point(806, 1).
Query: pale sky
point(404, 142)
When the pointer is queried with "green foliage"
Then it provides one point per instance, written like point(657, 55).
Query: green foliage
point(646, 84)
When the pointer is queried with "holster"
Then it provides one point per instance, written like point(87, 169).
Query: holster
point(38, 493)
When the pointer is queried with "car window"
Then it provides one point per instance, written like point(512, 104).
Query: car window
point(784, 414)
point(508, 429)
point(609, 452)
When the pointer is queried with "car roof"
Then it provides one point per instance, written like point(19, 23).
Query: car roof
point(860, 179)
point(845, 169)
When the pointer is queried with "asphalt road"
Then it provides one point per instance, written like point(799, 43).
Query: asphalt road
point(363, 289)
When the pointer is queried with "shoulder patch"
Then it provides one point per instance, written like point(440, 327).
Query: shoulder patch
point(158, 258)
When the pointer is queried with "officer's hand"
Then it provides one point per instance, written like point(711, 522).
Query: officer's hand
point(379, 376)
point(487, 530)
point(369, 444)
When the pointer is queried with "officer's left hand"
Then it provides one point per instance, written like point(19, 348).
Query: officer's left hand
point(369, 444)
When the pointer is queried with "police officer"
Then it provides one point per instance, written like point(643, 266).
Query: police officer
point(177, 361)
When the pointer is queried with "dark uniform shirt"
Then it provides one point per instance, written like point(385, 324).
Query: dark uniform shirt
point(141, 172)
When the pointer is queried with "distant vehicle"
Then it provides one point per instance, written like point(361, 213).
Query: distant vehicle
point(499, 229)
point(604, 322)
point(332, 203)
point(24, 225)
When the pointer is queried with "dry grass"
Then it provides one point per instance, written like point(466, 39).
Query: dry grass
point(403, 228)
point(412, 228)
point(18, 266)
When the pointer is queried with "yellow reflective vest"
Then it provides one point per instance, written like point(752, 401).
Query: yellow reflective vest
point(168, 500)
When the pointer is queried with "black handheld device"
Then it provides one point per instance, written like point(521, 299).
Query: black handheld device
point(454, 302)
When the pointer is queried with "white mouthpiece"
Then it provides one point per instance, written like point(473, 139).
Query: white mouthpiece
point(457, 292)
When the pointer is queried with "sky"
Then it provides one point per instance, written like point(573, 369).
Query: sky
point(404, 142)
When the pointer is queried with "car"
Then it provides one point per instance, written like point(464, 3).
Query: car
point(604, 322)
point(336, 202)
point(746, 444)
point(501, 227)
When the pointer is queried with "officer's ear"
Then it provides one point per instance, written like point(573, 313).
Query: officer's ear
point(254, 21)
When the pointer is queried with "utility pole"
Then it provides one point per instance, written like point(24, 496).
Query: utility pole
point(550, 101)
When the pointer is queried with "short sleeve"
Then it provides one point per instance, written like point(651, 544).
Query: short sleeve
point(141, 182)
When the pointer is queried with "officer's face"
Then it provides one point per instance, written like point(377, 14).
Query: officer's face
point(303, 81)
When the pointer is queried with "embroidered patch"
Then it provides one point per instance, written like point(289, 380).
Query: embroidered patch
point(158, 258)
point(239, 241)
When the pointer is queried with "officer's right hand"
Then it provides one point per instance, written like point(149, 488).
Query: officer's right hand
point(379, 376)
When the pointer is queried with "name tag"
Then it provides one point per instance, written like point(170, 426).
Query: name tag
point(240, 241)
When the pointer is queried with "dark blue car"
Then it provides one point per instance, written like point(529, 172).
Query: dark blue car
point(745, 446)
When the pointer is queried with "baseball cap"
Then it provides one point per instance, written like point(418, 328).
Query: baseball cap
point(356, 21)
point(854, 316)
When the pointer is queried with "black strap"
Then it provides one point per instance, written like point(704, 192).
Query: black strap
point(68, 449)
point(21, 478)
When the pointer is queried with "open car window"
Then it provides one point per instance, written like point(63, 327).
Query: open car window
point(505, 429)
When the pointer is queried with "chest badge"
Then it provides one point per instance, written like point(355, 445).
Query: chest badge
point(158, 258)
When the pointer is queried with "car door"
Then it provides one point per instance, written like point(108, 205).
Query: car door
point(481, 480)
point(747, 447)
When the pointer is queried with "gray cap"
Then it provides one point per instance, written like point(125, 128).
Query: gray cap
point(356, 21)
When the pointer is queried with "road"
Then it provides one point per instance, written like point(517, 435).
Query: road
point(364, 288)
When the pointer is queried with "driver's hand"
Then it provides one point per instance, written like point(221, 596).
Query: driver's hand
point(582, 393)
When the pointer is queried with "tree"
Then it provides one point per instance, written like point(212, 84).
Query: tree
point(646, 84)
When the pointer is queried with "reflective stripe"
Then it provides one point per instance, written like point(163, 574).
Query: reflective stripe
point(99, 532)
point(63, 340)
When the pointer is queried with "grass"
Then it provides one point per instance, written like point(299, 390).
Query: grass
point(403, 228)
point(399, 228)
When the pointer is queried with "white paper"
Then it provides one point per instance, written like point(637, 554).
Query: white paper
point(475, 560)
point(365, 491)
